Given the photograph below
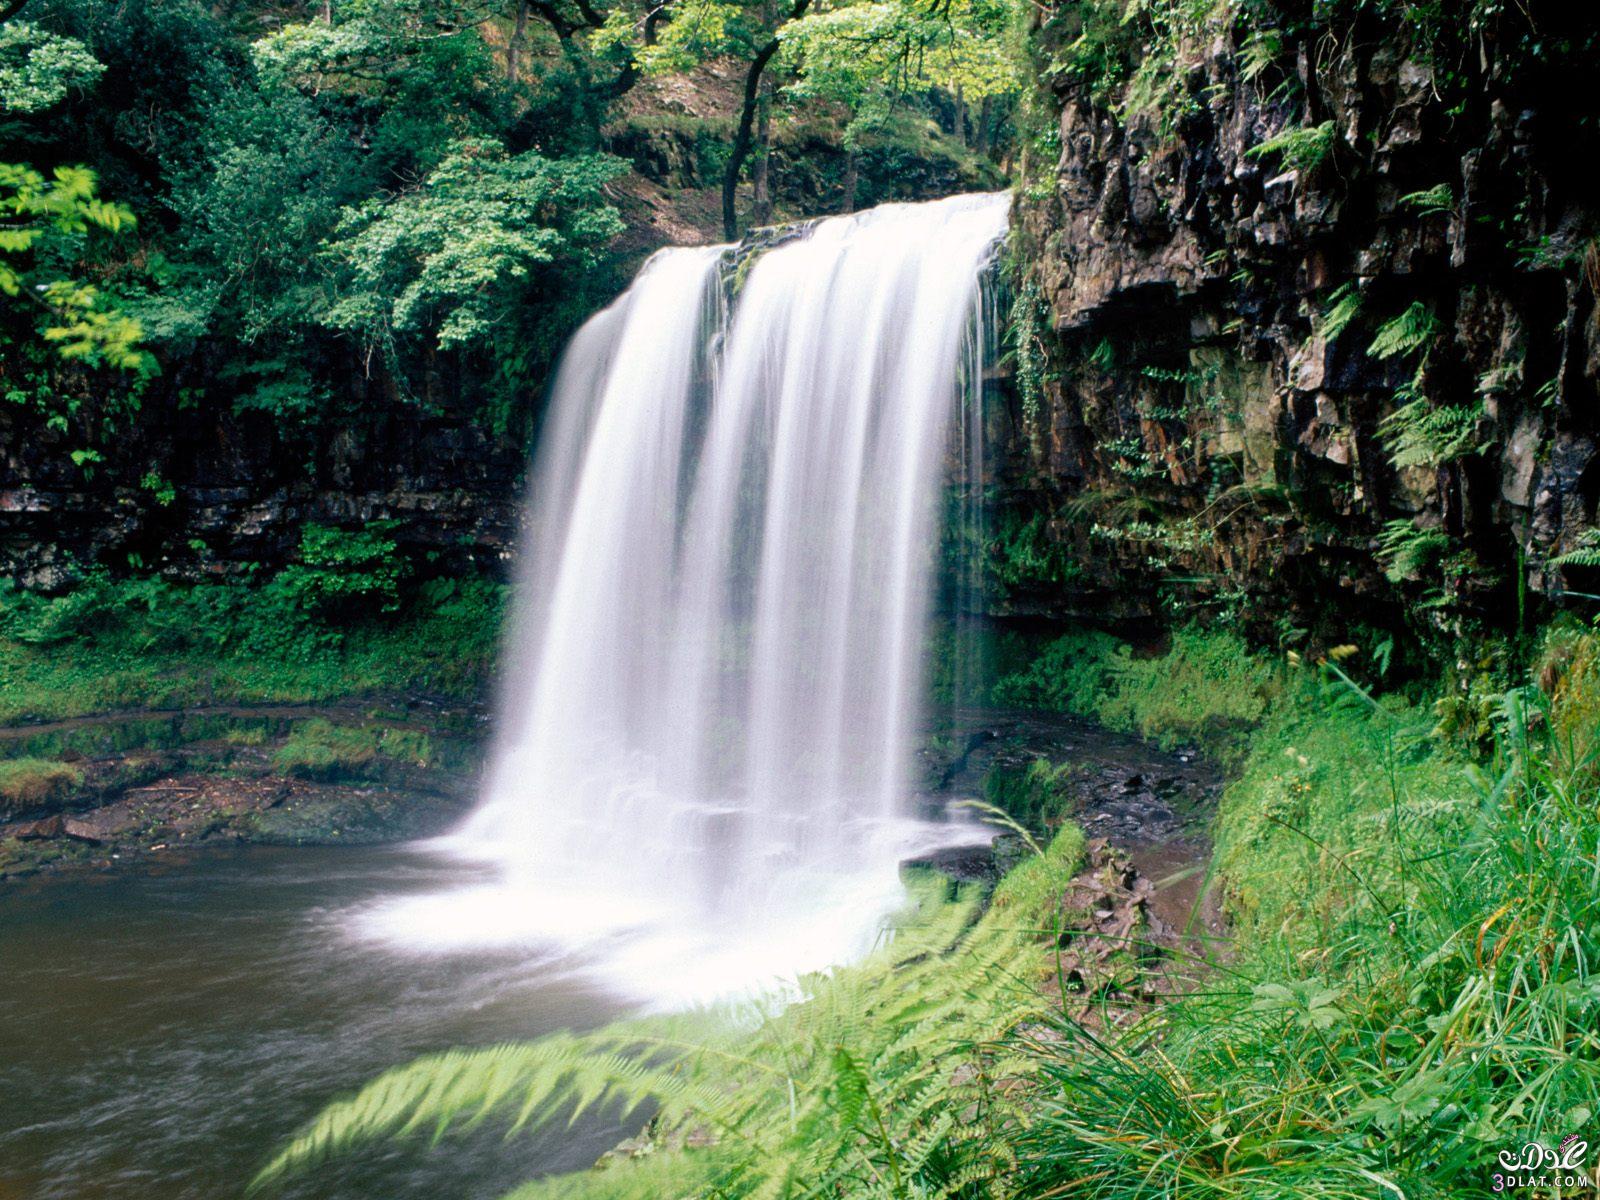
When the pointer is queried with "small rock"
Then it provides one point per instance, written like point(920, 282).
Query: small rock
point(49, 827)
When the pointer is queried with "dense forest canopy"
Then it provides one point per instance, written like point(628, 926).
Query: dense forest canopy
point(269, 202)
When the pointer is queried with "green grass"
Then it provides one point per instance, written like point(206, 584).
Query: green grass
point(319, 749)
point(1412, 987)
point(29, 782)
point(1206, 689)
point(144, 643)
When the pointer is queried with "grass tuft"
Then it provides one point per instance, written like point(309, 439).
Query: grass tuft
point(32, 782)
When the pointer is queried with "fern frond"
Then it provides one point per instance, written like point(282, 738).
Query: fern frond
point(875, 1079)
point(1342, 307)
point(1419, 435)
point(1412, 330)
point(1585, 554)
point(1406, 550)
point(1301, 149)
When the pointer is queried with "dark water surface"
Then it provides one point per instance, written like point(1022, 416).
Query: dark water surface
point(164, 1028)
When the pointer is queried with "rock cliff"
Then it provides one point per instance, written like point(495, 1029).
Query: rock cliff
point(1316, 339)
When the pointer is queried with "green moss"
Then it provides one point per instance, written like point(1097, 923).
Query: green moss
point(30, 782)
point(1035, 797)
point(319, 749)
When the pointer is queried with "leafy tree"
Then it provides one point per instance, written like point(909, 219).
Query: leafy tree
point(872, 56)
point(38, 69)
point(454, 259)
point(42, 222)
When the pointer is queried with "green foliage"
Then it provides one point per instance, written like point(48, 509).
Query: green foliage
point(455, 255)
point(1206, 689)
point(871, 55)
point(31, 782)
point(1341, 308)
point(1413, 988)
point(42, 223)
point(1027, 348)
point(1585, 554)
point(1069, 674)
point(1035, 796)
point(38, 69)
point(875, 1080)
point(1418, 434)
point(341, 570)
point(145, 642)
point(1408, 551)
point(1437, 199)
point(1303, 149)
point(1410, 331)
point(1023, 557)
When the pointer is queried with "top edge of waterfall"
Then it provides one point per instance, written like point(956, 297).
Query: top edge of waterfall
point(768, 237)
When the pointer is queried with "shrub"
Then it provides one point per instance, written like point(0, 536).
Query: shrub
point(342, 570)
point(1207, 684)
point(1068, 675)
point(148, 642)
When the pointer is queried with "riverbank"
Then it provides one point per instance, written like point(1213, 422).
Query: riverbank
point(142, 715)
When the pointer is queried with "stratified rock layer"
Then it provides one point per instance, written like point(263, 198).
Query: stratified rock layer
point(1199, 432)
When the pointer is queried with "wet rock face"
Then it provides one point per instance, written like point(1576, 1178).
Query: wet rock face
point(1184, 286)
point(241, 490)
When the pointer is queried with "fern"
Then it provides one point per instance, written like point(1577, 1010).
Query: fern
point(1412, 330)
point(1585, 554)
point(1420, 435)
point(1343, 306)
point(1436, 199)
point(1300, 149)
point(1407, 550)
point(1259, 52)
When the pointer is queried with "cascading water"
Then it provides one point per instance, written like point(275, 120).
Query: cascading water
point(702, 772)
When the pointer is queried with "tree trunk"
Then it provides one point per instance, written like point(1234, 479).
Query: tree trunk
point(514, 48)
point(760, 171)
point(985, 115)
point(740, 150)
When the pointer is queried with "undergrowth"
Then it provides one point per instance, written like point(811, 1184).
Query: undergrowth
point(1206, 687)
point(145, 642)
point(1411, 988)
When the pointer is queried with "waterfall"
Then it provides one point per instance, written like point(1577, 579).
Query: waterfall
point(702, 770)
